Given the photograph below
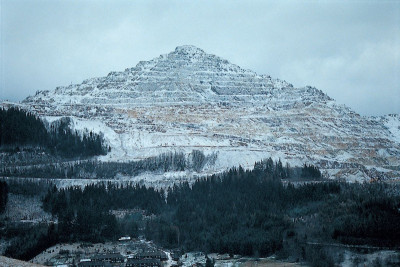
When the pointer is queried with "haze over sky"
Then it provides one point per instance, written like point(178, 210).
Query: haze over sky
point(348, 49)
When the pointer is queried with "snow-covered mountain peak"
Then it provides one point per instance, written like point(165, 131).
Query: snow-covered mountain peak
point(188, 50)
point(189, 60)
point(186, 75)
point(189, 99)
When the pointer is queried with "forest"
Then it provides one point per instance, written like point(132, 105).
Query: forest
point(246, 212)
point(20, 129)
point(3, 195)
point(172, 161)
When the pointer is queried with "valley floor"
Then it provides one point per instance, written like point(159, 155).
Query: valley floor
point(69, 254)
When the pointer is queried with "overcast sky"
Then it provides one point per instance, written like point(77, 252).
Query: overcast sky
point(348, 49)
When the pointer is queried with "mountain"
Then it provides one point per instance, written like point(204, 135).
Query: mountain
point(190, 100)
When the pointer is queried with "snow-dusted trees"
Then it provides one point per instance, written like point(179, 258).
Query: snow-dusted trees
point(19, 128)
point(166, 162)
point(65, 142)
point(198, 160)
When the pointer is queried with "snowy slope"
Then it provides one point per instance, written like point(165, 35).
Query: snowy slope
point(392, 123)
point(189, 99)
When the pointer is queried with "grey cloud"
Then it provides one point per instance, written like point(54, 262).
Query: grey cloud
point(350, 50)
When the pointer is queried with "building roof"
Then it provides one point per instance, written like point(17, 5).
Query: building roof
point(108, 256)
point(124, 238)
point(136, 261)
point(152, 254)
point(93, 263)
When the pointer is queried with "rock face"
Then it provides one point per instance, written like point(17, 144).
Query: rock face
point(189, 99)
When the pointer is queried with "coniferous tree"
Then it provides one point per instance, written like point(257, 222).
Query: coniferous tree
point(3, 195)
point(19, 129)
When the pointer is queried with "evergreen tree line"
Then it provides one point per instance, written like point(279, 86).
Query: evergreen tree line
point(28, 187)
point(276, 169)
point(3, 195)
point(19, 129)
point(310, 171)
point(172, 161)
point(27, 241)
point(271, 168)
point(104, 197)
point(371, 216)
point(84, 215)
point(239, 212)
point(247, 212)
